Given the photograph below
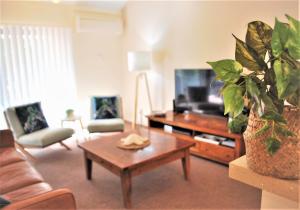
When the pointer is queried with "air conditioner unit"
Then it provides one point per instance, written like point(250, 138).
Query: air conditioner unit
point(105, 26)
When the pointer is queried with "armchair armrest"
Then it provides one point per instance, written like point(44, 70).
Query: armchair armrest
point(6, 138)
point(56, 199)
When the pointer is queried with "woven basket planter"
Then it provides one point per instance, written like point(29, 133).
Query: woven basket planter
point(285, 162)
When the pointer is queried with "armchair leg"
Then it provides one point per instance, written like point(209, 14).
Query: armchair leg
point(26, 153)
point(65, 146)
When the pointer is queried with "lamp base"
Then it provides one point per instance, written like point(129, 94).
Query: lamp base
point(138, 77)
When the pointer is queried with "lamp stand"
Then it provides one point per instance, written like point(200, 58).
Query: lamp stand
point(137, 79)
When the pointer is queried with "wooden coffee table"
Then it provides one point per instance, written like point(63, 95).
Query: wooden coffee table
point(128, 163)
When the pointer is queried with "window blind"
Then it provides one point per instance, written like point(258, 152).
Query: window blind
point(37, 65)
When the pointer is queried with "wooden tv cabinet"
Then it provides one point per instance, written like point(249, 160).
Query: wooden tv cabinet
point(187, 126)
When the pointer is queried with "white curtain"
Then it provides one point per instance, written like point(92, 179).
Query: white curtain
point(37, 65)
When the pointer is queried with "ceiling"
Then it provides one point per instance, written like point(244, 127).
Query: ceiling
point(103, 5)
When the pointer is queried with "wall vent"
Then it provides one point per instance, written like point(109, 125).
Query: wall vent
point(106, 26)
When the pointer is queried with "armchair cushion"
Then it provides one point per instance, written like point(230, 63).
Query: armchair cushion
point(31, 117)
point(45, 137)
point(107, 125)
point(105, 107)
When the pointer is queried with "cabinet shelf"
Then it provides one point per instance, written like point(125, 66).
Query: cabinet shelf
point(187, 126)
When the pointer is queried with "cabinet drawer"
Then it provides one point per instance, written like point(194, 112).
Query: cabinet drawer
point(195, 148)
point(216, 151)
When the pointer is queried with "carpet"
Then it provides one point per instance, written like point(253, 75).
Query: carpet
point(163, 188)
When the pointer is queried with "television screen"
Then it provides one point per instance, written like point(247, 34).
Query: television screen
point(197, 90)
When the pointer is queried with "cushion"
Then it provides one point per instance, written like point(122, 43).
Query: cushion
point(14, 122)
point(31, 117)
point(3, 202)
point(105, 107)
point(17, 175)
point(10, 155)
point(107, 125)
point(45, 137)
point(27, 192)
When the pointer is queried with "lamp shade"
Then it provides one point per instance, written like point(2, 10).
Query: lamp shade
point(139, 61)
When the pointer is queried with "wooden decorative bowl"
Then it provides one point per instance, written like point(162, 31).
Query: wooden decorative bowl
point(133, 146)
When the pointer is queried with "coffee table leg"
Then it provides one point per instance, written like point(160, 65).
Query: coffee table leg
point(88, 167)
point(186, 164)
point(126, 188)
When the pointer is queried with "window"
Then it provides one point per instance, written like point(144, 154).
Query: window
point(37, 65)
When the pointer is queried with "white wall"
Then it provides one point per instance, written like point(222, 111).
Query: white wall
point(97, 56)
point(181, 34)
point(187, 35)
point(98, 67)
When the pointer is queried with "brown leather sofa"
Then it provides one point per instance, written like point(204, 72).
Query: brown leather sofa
point(23, 186)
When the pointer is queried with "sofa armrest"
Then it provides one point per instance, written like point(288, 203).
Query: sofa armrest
point(6, 138)
point(56, 199)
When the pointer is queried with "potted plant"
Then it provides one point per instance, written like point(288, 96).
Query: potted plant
point(70, 113)
point(266, 74)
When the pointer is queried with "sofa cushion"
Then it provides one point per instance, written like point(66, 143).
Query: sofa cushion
point(10, 155)
point(27, 192)
point(31, 117)
point(45, 137)
point(107, 125)
point(17, 175)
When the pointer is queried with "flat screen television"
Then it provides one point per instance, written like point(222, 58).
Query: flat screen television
point(196, 90)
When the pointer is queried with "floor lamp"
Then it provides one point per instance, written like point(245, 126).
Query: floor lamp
point(139, 61)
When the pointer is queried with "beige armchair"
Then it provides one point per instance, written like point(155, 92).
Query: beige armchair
point(37, 139)
point(106, 114)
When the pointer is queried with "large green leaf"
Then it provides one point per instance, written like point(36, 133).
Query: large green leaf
point(283, 131)
point(263, 129)
point(227, 70)
point(252, 88)
point(269, 77)
point(271, 115)
point(258, 37)
point(272, 102)
point(253, 94)
point(272, 144)
point(279, 37)
point(238, 124)
point(248, 57)
point(287, 79)
point(264, 104)
point(268, 102)
point(233, 100)
point(260, 84)
point(294, 98)
point(293, 42)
